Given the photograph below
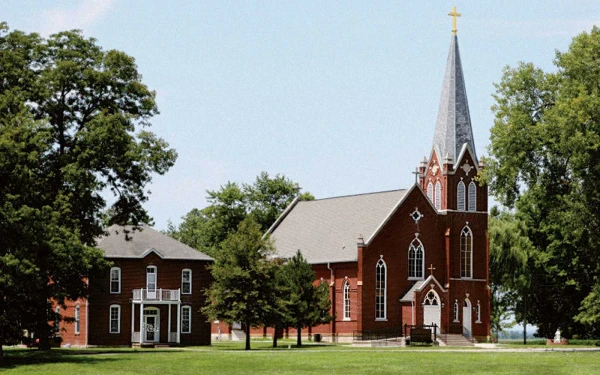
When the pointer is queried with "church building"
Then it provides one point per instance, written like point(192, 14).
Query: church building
point(411, 256)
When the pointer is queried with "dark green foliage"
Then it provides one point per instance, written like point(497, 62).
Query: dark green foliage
point(205, 229)
point(309, 304)
point(244, 279)
point(70, 119)
point(545, 163)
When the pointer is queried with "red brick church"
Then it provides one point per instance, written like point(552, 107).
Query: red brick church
point(412, 256)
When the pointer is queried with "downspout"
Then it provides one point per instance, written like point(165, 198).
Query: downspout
point(333, 297)
point(87, 315)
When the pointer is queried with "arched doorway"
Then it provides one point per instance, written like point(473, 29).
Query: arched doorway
point(467, 317)
point(432, 309)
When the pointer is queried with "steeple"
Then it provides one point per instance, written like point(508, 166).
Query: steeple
point(453, 127)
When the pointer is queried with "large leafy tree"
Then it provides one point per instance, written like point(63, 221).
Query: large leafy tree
point(72, 125)
point(244, 279)
point(545, 163)
point(264, 200)
point(309, 304)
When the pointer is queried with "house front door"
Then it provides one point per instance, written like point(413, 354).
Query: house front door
point(431, 310)
point(151, 282)
point(151, 326)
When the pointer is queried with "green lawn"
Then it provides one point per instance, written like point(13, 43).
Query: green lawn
point(228, 358)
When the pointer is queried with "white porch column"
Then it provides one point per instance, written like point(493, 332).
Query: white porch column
point(178, 323)
point(169, 324)
point(141, 321)
point(132, 320)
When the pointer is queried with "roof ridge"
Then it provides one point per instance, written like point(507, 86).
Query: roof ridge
point(354, 195)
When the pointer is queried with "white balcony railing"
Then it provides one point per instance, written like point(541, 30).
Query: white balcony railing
point(157, 295)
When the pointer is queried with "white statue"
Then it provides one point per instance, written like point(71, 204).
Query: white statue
point(557, 337)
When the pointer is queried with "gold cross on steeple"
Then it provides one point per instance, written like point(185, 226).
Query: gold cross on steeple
point(431, 268)
point(454, 15)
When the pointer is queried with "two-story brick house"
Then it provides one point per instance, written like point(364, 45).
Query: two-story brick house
point(152, 294)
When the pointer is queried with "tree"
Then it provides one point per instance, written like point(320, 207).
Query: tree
point(205, 229)
point(83, 111)
point(510, 252)
point(244, 279)
point(309, 304)
point(544, 163)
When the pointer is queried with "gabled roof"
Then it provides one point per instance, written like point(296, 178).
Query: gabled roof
point(327, 230)
point(141, 242)
point(419, 286)
point(453, 126)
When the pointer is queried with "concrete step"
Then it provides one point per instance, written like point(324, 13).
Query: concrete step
point(238, 335)
point(456, 340)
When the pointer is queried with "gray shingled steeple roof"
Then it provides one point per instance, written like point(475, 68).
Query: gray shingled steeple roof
point(453, 127)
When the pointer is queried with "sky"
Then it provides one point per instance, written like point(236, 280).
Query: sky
point(341, 97)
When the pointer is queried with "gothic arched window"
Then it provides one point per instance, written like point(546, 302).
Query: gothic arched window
point(430, 191)
point(438, 195)
point(460, 196)
point(380, 289)
point(472, 197)
point(346, 300)
point(416, 259)
point(466, 253)
point(456, 310)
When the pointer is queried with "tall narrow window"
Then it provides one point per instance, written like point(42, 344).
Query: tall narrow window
point(430, 192)
point(77, 319)
point(186, 319)
point(57, 321)
point(466, 253)
point(456, 310)
point(115, 319)
point(151, 282)
point(460, 196)
point(346, 300)
point(438, 195)
point(380, 292)
point(115, 280)
point(472, 197)
point(478, 312)
point(186, 281)
point(416, 257)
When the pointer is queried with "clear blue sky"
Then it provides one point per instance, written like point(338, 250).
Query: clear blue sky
point(339, 96)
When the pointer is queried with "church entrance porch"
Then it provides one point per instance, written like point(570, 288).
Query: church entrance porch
point(431, 309)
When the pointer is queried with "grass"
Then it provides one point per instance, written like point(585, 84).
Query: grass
point(230, 358)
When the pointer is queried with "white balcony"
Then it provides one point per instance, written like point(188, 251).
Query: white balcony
point(156, 295)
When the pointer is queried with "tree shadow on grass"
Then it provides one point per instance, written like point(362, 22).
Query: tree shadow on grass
point(24, 357)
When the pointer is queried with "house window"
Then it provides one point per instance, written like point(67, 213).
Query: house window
point(472, 197)
point(456, 310)
point(416, 256)
point(57, 321)
point(346, 300)
point(438, 195)
point(430, 192)
point(115, 319)
point(186, 281)
point(380, 292)
point(460, 196)
point(478, 312)
point(466, 253)
point(186, 319)
point(115, 280)
point(77, 319)
point(151, 280)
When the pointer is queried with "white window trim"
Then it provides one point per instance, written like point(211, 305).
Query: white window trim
point(478, 312)
point(77, 323)
point(438, 195)
point(422, 277)
point(472, 198)
point(189, 308)
point(470, 232)
point(111, 280)
point(430, 191)
point(118, 307)
point(347, 301)
point(384, 318)
point(190, 282)
point(155, 277)
point(456, 311)
point(460, 196)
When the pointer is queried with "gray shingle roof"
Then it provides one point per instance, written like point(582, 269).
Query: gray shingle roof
point(141, 242)
point(327, 230)
point(453, 127)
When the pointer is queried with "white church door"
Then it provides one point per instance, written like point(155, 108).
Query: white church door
point(467, 318)
point(432, 309)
